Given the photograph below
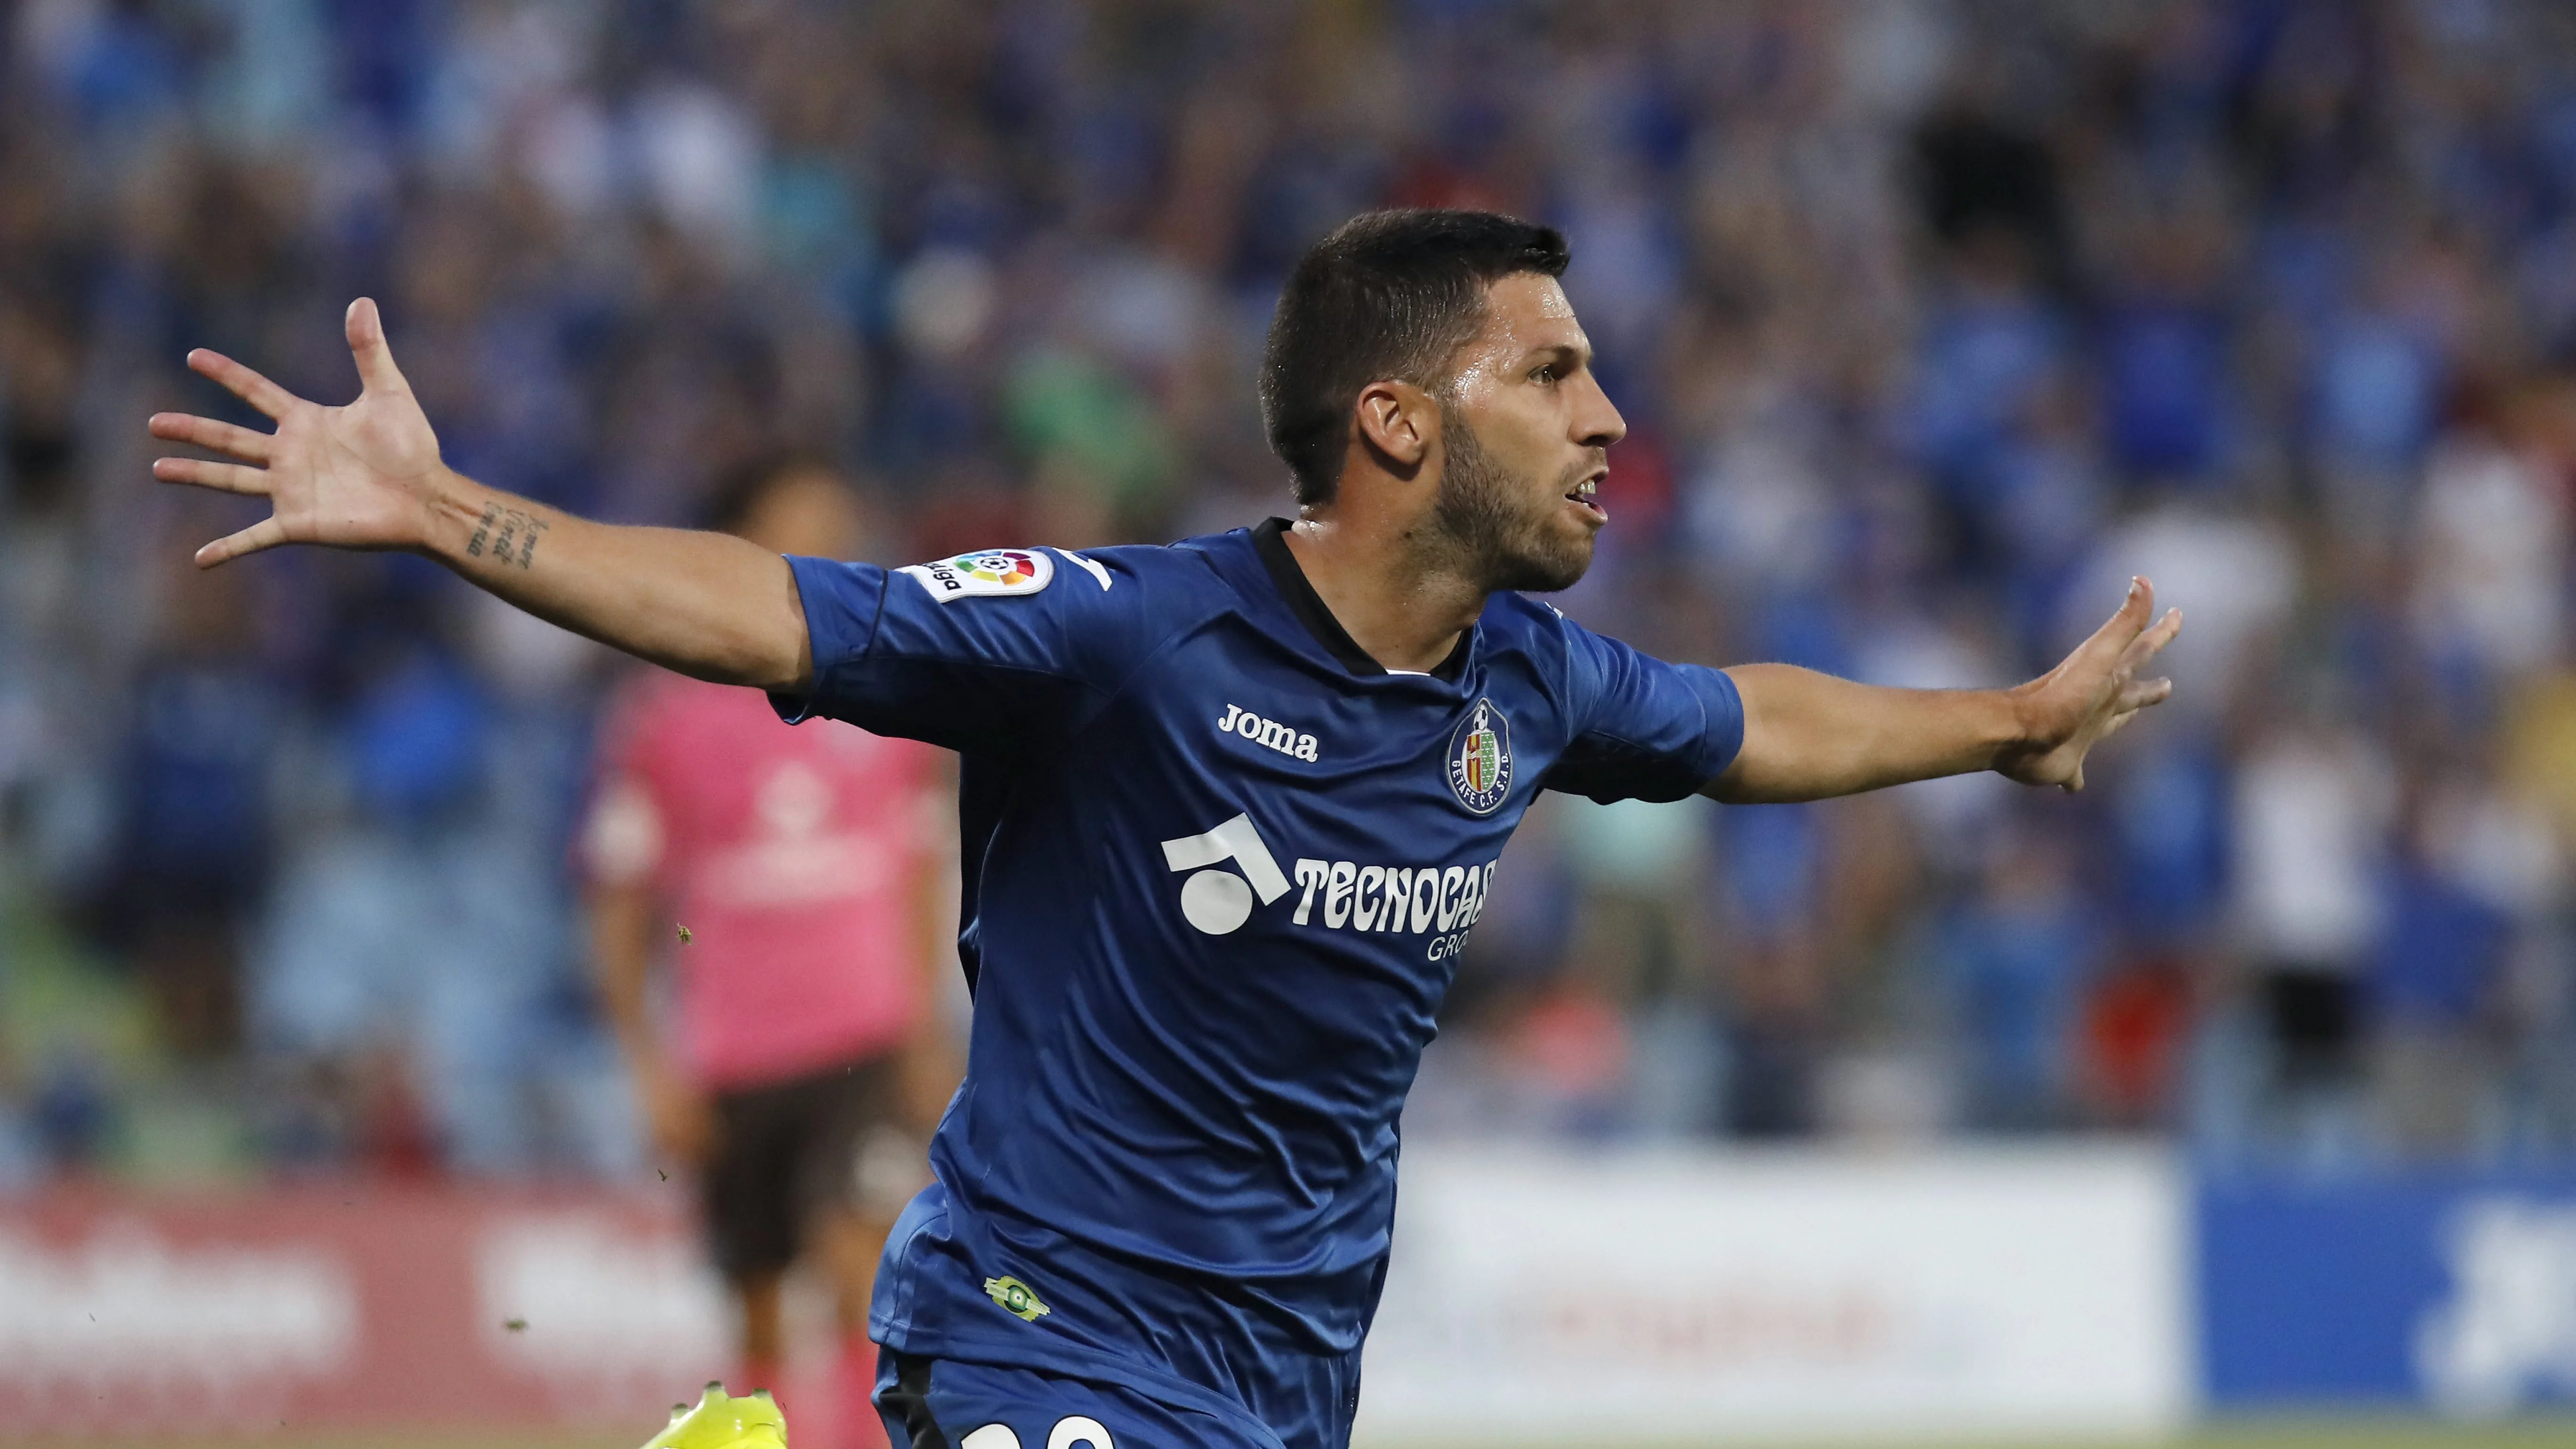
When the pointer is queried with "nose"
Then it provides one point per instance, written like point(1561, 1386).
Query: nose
point(1597, 422)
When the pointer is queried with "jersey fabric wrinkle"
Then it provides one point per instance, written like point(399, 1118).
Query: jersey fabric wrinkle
point(1205, 967)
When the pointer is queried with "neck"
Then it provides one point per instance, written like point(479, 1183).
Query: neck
point(1392, 592)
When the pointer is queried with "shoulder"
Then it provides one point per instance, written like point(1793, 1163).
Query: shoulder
point(1138, 594)
point(1171, 570)
point(1197, 567)
point(1596, 672)
point(1532, 627)
point(1107, 580)
point(1090, 614)
point(1152, 590)
point(1515, 615)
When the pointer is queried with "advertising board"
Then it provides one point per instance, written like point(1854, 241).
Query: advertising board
point(348, 1307)
point(1548, 1298)
point(1697, 1299)
point(2452, 1293)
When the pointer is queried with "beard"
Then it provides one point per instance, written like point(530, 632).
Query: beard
point(1498, 529)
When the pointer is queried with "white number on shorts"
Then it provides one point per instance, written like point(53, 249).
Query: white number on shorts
point(1074, 1429)
point(1070, 1430)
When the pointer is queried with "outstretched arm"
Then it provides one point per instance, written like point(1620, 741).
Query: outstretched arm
point(368, 476)
point(1810, 735)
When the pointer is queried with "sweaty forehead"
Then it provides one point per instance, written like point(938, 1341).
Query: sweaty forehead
point(1526, 312)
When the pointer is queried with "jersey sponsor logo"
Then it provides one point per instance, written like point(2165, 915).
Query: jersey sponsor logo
point(1439, 901)
point(1480, 759)
point(1241, 721)
point(994, 571)
point(1218, 901)
point(1016, 1299)
point(1416, 899)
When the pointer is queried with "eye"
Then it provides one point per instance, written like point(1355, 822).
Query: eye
point(1547, 373)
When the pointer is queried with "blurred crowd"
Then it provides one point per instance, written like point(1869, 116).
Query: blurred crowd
point(1933, 323)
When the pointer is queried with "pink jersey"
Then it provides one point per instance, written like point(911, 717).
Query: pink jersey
point(792, 857)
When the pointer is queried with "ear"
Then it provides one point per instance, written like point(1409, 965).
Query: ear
point(1398, 420)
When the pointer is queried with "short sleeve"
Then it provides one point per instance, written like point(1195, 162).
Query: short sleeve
point(991, 651)
point(1646, 729)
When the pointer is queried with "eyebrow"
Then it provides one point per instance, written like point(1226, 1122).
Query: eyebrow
point(1580, 356)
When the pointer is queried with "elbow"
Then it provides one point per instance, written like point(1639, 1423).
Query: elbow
point(789, 644)
point(789, 679)
point(774, 654)
point(788, 671)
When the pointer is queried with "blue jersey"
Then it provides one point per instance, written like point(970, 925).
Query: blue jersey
point(1218, 868)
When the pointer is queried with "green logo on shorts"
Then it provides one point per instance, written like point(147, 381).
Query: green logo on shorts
point(1016, 1299)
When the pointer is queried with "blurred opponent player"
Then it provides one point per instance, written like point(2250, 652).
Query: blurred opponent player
point(796, 860)
point(1229, 809)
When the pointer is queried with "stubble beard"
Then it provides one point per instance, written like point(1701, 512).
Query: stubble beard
point(1488, 530)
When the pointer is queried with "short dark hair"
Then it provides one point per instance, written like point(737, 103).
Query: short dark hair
point(1389, 294)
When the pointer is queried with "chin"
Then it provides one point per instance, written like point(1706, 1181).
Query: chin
point(1545, 567)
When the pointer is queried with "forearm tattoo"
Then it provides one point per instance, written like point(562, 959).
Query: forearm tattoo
point(516, 527)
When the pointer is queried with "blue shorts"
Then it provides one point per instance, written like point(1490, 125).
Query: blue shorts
point(948, 1404)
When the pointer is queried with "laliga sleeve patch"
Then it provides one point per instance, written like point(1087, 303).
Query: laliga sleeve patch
point(992, 572)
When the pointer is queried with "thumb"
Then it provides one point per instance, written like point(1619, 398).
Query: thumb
point(366, 332)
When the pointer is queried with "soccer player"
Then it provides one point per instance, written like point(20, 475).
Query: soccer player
point(796, 860)
point(1229, 809)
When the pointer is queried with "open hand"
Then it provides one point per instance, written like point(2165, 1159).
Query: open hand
point(2091, 694)
point(361, 476)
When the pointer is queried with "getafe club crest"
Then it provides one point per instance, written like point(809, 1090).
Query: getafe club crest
point(1480, 758)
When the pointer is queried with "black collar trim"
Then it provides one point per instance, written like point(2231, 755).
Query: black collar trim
point(1270, 542)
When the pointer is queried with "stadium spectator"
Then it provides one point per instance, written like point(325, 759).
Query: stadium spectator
point(2314, 810)
point(2018, 955)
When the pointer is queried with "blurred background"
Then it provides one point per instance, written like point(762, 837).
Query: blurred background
point(1933, 322)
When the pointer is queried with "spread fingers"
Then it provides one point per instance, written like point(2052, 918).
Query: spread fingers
point(220, 437)
point(2148, 644)
point(267, 533)
point(243, 383)
point(229, 477)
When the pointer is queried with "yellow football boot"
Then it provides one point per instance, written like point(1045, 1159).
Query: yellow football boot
point(720, 1422)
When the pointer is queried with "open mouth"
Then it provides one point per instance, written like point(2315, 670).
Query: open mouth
point(1581, 495)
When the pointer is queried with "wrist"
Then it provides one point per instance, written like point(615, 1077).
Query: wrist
point(480, 531)
point(449, 507)
point(2015, 729)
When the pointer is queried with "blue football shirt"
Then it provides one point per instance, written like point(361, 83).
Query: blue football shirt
point(1218, 868)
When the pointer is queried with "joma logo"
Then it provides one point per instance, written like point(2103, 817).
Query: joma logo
point(1241, 721)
